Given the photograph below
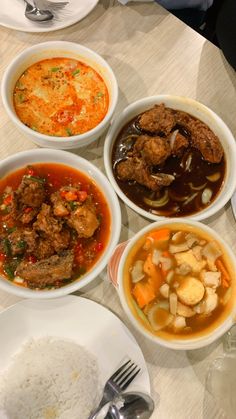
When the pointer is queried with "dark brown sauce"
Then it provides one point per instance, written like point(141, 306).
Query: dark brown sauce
point(197, 175)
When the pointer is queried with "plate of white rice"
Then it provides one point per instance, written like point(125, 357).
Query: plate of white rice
point(56, 355)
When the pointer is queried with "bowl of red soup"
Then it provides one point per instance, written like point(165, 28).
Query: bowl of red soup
point(171, 156)
point(176, 282)
point(59, 222)
point(61, 94)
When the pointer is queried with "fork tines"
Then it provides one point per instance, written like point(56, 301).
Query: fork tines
point(125, 374)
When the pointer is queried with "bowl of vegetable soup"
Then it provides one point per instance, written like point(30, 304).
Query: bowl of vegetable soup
point(176, 282)
point(59, 223)
point(61, 94)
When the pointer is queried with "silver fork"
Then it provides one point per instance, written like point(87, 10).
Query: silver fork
point(51, 5)
point(117, 383)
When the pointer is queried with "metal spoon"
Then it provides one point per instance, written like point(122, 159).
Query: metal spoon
point(131, 406)
point(36, 14)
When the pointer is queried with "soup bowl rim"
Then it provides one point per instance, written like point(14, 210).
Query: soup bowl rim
point(145, 103)
point(175, 343)
point(35, 156)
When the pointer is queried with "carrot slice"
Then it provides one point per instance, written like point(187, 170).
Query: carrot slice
point(163, 234)
point(225, 278)
point(143, 293)
point(155, 279)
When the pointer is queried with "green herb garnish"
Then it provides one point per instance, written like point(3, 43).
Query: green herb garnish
point(10, 230)
point(55, 69)
point(21, 98)
point(73, 205)
point(76, 72)
point(9, 271)
point(7, 247)
point(100, 94)
point(21, 244)
point(81, 270)
point(69, 132)
point(35, 179)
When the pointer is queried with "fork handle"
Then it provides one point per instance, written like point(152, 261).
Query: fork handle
point(102, 403)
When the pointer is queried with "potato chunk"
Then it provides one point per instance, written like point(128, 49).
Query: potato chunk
point(190, 291)
point(190, 259)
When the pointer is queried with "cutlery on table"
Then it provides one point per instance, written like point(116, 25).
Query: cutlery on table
point(37, 15)
point(53, 6)
point(116, 384)
point(130, 406)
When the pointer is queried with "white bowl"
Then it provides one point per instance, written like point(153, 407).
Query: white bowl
point(24, 158)
point(175, 343)
point(201, 112)
point(58, 49)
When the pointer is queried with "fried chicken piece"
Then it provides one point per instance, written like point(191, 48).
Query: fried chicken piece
point(202, 137)
point(154, 150)
point(135, 168)
point(159, 119)
point(180, 143)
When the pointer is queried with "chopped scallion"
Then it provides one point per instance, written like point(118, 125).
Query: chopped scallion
point(77, 71)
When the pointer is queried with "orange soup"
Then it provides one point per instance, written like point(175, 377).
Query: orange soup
point(61, 97)
point(178, 282)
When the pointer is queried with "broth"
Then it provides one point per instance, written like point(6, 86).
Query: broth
point(172, 303)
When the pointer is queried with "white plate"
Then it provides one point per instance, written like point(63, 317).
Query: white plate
point(233, 204)
point(84, 321)
point(12, 15)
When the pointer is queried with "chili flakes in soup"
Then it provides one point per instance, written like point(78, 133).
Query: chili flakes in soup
point(61, 97)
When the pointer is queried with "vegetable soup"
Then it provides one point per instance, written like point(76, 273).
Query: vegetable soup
point(178, 282)
point(61, 97)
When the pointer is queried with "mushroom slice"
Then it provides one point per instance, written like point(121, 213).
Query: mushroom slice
point(176, 248)
point(164, 290)
point(184, 311)
point(156, 255)
point(211, 252)
point(179, 322)
point(173, 303)
point(208, 304)
point(137, 271)
point(159, 317)
point(191, 239)
point(190, 291)
point(211, 279)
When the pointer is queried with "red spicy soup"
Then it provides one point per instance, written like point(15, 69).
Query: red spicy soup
point(54, 225)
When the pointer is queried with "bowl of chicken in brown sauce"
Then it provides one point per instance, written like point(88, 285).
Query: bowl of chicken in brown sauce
point(171, 156)
point(59, 223)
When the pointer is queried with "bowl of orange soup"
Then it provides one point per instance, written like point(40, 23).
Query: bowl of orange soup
point(176, 282)
point(59, 223)
point(61, 94)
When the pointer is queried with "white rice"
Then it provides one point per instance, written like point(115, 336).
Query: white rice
point(50, 378)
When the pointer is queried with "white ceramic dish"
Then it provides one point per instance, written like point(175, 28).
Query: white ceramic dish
point(181, 344)
point(233, 204)
point(199, 111)
point(52, 49)
point(12, 16)
point(81, 320)
point(24, 158)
